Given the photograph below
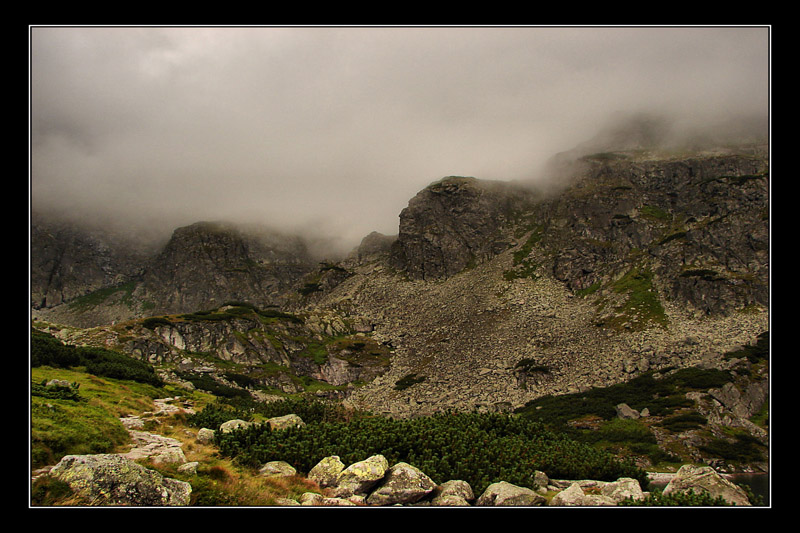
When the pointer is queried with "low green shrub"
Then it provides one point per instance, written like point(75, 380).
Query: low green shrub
point(480, 448)
point(407, 381)
point(46, 350)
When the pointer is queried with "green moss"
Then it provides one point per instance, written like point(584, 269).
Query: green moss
point(643, 308)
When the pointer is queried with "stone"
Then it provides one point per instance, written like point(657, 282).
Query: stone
point(506, 494)
point(622, 489)
point(706, 479)
point(205, 435)
point(540, 480)
point(326, 472)
point(284, 422)
point(453, 492)
point(277, 469)
point(626, 413)
point(189, 468)
point(573, 496)
point(231, 425)
point(360, 477)
point(111, 479)
point(157, 448)
point(403, 484)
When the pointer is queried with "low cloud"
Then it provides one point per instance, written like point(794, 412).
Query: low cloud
point(336, 128)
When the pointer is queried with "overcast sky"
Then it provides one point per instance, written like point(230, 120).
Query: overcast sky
point(338, 127)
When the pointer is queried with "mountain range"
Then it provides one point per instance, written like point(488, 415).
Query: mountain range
point(490, 295)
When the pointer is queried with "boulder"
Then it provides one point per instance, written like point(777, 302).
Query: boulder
point(622, 489)
point(625, 412)
point(231, 425)
point(205, 435)
point(403, 484)
point(326, 472)
point(283, 422)
point(361, 477)
point(705, 479)
point(277, 469)
point(189, 468)
point(506, 494)
point(110, 479)
point(453, 493)
point(573, 496)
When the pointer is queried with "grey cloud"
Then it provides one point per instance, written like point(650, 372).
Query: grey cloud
point(341, 126)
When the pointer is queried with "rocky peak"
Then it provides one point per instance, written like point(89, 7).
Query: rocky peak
point(453, 224)
point(207, 263)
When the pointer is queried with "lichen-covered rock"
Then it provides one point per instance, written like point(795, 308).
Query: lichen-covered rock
point(326, 472)
point(705, 479)
point(286, 421)
point(110, 479)
point(506, 494)
point(403, 484)
point(361, 477)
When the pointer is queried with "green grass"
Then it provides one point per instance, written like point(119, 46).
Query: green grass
point(642, 308)
point(90, 424)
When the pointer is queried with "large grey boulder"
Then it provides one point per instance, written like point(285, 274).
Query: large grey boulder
point(506, 494)
point(361, 477)
point(110, 479)
point(704, 479)
point(403, 484)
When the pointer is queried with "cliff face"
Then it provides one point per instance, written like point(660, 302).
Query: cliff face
point(69, 261)
point(454, 224)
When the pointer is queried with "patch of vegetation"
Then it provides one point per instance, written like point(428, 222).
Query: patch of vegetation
point(643, 307)
point(310, 288)
point(742, 448)
point(684, 422)
point(46, 350)
point(672, 237)
point(703, 273)
point(56, 391)
point(754, 353)
point(209, 384)
point(99, 296)
point(153, 322)
point(657, 498)
point(63, 426)
point(655, 213)
point(480, 448)
point(407, 381)
point(606, 156)
point(529, 365)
